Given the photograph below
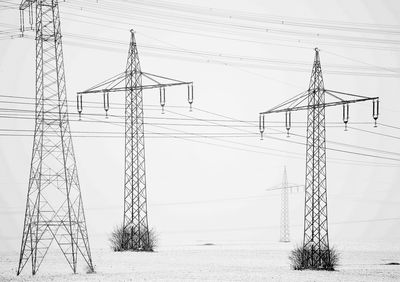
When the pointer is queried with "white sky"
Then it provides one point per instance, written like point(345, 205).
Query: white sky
point(200, 192)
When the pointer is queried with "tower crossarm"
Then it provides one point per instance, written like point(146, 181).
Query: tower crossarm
point(289, 186)
point(150, 81)
point(332, 98)
point(143, 87)
point(25, 4)
point(117, 83)
point(335, 94)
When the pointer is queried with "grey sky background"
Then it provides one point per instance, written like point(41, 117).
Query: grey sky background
point(207, 189)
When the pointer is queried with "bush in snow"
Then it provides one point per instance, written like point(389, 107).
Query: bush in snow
point(119, 238)
point(302, 258)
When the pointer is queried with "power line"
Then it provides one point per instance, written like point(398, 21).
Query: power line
point(95, 10)
point(105, 133)
point(247, 40)
point(191, 136)
point(265, 18)
point(389, 126)
point(236, 126)
point(245, 131)
point(252, 16)
point(239, 61)
point(245, 27)
point(376, 133)
point(300, 143)
point(252, 134)
point(245, 123)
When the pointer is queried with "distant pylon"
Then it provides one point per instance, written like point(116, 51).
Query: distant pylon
point(135, 221)
point(54, 208)
point(316, 252)
point(285, 234)
point(285, 188)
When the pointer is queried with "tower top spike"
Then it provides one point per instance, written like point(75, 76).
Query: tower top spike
point(316, 79)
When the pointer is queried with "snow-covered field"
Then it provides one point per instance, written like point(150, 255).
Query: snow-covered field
point(229, 262)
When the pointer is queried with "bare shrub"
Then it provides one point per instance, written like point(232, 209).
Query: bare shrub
point(296, 258)
point(304, 258)
point(118, 237)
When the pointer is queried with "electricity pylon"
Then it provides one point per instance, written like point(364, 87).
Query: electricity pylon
point(316, 253)
point(54, 207)
point(135, 222)
point(285, 188)
point(285, 234)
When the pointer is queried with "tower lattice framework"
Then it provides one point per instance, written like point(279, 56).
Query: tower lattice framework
point(315, 239)
point(132, 81)
point(54, 208)
point(284, 231)
point(316, 252)
point(135, 223)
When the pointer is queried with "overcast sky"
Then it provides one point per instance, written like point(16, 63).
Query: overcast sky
point(244, 57)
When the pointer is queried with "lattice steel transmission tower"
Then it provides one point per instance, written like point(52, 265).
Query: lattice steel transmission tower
point(316, 253)
point(130, 81)
point(285, 187)
point(284, 231)
point(54, 207)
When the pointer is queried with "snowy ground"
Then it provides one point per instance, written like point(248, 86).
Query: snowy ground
point(229, 262)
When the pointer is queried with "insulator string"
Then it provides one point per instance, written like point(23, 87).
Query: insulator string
point(345, 115)
point(288, 121)
point(162, 99)
point(261, 125)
